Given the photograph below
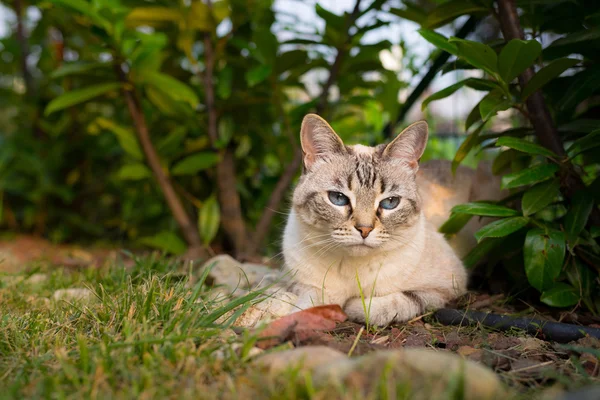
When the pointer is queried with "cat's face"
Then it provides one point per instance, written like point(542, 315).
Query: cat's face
point(358, 198)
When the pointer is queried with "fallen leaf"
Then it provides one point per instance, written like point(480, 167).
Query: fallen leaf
point(301, 325)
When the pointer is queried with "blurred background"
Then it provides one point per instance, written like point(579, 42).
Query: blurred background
point(174, 124)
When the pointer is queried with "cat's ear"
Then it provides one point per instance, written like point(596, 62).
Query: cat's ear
point(410, 144)
point(318, 139)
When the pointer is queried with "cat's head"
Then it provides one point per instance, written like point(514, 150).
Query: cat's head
point(360, 197)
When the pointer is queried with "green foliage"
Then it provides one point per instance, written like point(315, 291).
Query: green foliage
point(550, 217)
point(71, 164)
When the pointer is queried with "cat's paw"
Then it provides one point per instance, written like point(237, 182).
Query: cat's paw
point(377, 313)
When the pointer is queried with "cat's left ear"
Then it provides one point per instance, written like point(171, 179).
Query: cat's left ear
point(410, 144)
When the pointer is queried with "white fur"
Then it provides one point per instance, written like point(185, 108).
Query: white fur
point(420, 261)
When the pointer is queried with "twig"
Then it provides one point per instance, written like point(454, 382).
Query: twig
point(362, 328)
point(530, 367)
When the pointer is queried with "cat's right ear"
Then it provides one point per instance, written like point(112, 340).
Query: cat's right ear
point(318, 139)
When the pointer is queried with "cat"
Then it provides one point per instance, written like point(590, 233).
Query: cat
point(357, 235)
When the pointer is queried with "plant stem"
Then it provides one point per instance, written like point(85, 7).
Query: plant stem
point(188, 229)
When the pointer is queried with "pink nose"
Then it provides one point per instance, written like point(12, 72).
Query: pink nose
point(364, 230)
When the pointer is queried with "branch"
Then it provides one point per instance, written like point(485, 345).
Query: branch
point(232, 219)
point(264, 224)
point(188, 228)
point(24, 48)
point(539, 115)
point(438, 63)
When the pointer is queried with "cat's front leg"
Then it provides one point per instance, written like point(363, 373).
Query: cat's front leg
point(394, 307)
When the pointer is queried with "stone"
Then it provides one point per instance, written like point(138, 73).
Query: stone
point(233, 275)
point(307, 358)
point(428, 374)
point(74, 294)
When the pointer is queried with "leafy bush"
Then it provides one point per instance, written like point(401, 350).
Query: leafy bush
point(548, 226)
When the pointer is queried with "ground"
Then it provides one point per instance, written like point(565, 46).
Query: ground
point(113, 325)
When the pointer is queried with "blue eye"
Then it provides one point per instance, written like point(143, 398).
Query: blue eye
point(339, 199)
point(390, 203)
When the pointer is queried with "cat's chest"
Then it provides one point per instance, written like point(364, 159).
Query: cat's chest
point(347, 277)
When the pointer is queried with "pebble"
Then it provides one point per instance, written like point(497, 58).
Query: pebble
point(74, 294)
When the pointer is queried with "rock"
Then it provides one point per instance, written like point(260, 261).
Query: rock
point(271, 308)
point(307, 358)
point(74, 294)
point(36, 279)
point(429, 374)
point(233, 275)
point(237, 349)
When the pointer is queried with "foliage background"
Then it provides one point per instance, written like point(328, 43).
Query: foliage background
point(173, 124)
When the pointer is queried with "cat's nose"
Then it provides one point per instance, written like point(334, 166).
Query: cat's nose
point(364, 230)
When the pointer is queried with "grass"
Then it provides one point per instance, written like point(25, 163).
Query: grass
point(152, 330)
point(148, 331)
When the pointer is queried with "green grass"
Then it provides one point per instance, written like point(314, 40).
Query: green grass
point(153, 330)
point(149, 331)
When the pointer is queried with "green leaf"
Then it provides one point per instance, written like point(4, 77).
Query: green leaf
point(581, 276)
point(169, 86)
point(209, 219)
point(546, 74)
point(258, 74)
point(77, 68)
point(474, 116)
point(516, 57)
point(86, 9)
point(166, 241)
point(543, 255)
point(439, 41)
point(481, 250)
point(226, 128)
point(524, 146)
point(449, 11)
point(493, 103)
point(503, 161)
point(79, 96)
point(539, 196)
point(477, 54)
point(455, 223)
point(225, 83)
point(560, 295)
point(153, 15)
point(474, 83)
point(584, 144)
point(195, 163)
point(529, 176)
point(583, 86)
point(410, 13)
point(578, 214)
point(465, 148)
point(200, 17)
point(134, 172)
point(485, 210)
point(501, 228)
point(126, 138)
point(337, 22)
point(290, 60)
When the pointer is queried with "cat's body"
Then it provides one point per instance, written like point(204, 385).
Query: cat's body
point(357, 235)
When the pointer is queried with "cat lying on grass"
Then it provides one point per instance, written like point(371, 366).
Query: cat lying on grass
point(357, 234)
